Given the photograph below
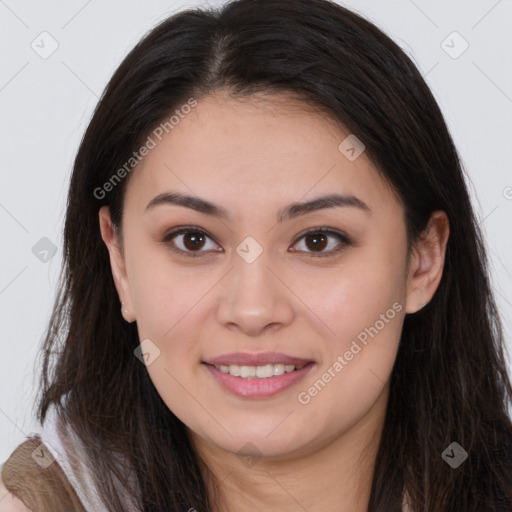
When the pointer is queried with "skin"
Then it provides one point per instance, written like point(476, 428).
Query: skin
point(9, 503)
point(253, 157)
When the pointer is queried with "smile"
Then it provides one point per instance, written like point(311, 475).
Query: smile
point(255, 382)
point(261, 372)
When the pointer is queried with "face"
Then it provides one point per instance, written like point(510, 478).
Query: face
point(314, 296)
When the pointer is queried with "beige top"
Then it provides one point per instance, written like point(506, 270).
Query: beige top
point(65, 448)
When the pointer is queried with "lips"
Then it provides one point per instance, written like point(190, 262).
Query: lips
point(258, 359)
point(257, 388)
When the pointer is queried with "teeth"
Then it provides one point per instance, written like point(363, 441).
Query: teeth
point(260, 372)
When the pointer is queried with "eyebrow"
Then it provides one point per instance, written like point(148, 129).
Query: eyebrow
point(290, 211)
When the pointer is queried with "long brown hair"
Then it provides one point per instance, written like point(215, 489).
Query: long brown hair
point(449, 381)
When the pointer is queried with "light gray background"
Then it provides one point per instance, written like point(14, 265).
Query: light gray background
point(45, 105)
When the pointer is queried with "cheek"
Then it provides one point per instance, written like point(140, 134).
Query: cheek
point(364, 312)
point(169, 303)
point(362, 306)
point(364, 292)
point(164, 295)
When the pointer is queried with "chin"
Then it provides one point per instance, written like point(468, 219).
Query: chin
point(257, 443)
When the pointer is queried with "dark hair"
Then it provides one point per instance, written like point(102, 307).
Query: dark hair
point(449, 382)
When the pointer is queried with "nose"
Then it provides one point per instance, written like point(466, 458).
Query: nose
point(255, 298)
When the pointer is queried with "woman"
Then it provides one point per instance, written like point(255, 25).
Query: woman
point(272, 195)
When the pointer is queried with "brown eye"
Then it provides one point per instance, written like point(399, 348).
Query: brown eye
point(316, 240)
point(193, 240)
point(190, 242)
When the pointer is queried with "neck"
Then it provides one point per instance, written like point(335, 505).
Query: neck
point(338, 476)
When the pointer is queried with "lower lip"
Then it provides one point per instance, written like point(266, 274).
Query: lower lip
point(255, 387)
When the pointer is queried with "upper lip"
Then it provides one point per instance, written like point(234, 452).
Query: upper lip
point(260, 359)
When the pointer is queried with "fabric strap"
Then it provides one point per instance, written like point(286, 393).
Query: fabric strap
point(67, 449)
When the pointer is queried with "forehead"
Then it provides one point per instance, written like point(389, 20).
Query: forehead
point(254, 152)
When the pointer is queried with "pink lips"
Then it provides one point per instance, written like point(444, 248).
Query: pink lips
point(245, 359)
point(256, 387)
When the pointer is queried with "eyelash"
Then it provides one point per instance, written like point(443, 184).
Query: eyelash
point(344, 239)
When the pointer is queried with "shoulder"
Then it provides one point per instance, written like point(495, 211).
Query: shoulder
point(9, 503)
point(25, 482)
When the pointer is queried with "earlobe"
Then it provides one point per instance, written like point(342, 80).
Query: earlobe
point(427, 262)
point(117, 262)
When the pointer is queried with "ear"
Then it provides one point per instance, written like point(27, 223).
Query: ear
point(427, 262)
point(117, 263)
